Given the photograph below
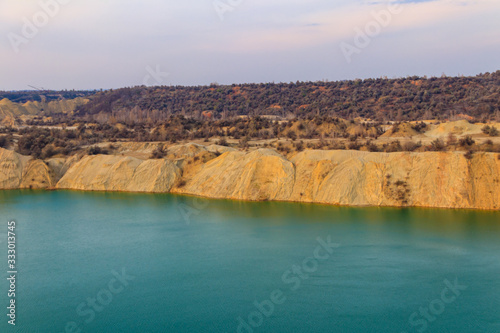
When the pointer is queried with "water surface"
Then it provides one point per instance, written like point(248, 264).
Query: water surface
point(200, 265)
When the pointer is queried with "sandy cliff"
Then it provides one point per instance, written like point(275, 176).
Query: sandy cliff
point(397, 179)
point(260, 175)
point(22, 172)
point(432, 179)
point(9, 110)
point(119, 173)
point(353, 178)
point(11, 169)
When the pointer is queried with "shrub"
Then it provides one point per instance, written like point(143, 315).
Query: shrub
point(336, 145)
point(4, 142)
point(486, 130)
point(395, 128)
point(467, 141)
point(243, 143)
point(33, 143)
point(354, 146)
point(420, 127)
point(299, 146)
point(437, 145)
point(223, 142)
point(468, 155)
point(158, 153)
point(452, 139)
point(393, 147)
point(372, 147)
point(48, 151)
point(96, 150)
point(410, 146)
point(491, 131)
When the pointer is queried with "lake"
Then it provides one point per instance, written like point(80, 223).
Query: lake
point(113, 262)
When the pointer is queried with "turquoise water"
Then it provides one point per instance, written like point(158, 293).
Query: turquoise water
point(193, 265)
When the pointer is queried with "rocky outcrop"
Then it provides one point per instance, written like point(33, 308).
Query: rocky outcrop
point(22, 172)
point(431, 179)
point(119, 173)
point(398, 179)
point(260, 175)
point(38, 175)
point(11, 169)
point(446, 180)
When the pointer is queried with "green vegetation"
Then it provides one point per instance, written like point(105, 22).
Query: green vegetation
point(491, 131)
point(244, 133)
point(5, 141)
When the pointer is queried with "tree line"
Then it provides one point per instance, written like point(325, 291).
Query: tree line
point(403, 99)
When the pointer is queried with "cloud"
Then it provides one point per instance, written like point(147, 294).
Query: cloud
point(338, 24)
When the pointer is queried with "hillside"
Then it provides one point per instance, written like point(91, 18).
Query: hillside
point(23, 96)
point(404, 99)
point(9, 110)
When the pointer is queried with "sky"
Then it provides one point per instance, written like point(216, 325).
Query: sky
point(96, 44)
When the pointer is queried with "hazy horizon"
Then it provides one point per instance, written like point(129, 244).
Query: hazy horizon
point(56, 44)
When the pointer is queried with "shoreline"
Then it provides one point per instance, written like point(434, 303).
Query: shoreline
point(444, 180)
point(179, 194)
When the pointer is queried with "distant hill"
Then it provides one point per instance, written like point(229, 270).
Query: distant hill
point(9, 110)
point(24, 96)
point(411, 98)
